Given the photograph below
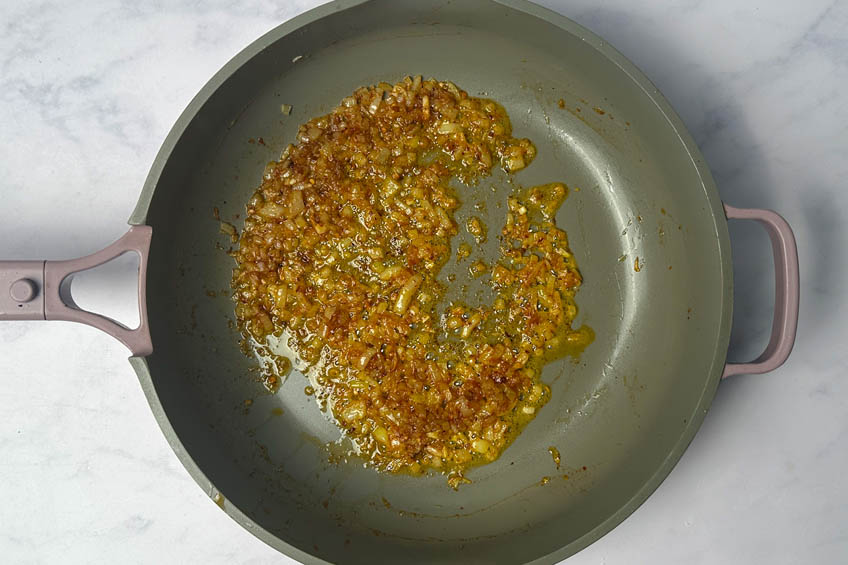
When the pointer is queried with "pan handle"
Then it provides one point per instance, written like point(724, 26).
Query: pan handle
point(41, 290)
point(786, 291)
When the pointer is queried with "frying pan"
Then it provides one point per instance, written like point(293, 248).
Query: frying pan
point(621, 415)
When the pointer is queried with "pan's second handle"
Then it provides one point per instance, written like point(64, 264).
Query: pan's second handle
point(786, 291)
point(40, 290)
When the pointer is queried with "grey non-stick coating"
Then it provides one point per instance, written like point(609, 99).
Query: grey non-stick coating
point(620, 417)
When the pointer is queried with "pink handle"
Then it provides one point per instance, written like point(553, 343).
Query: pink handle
point(786, 291)
point(40, 290)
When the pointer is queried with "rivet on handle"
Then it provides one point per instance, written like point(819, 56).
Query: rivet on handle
point(23, 291)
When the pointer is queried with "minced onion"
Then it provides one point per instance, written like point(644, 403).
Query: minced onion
point(340, 252)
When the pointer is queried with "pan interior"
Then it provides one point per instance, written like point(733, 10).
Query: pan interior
point(616, 416)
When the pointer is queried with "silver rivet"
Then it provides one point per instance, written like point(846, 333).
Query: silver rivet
point(23, 290)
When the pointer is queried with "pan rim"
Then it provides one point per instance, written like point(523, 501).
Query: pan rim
point(707, 186)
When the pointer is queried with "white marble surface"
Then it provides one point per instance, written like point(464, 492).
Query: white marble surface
point(88, 91)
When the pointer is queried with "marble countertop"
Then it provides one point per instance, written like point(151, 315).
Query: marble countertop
point(88, 91)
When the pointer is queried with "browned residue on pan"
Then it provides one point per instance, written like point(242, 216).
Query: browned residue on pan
point(634, 389)
point(578, 475)
point(555, 455)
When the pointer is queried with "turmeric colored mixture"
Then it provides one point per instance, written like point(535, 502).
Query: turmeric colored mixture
point(340, 254)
